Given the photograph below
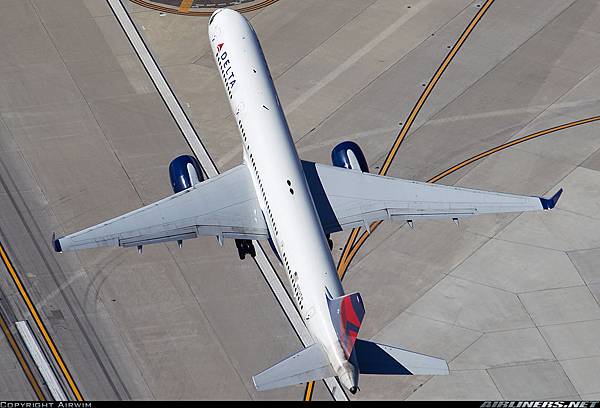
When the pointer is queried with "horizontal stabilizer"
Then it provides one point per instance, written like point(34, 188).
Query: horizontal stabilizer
point(376, 358)
point(310, 364)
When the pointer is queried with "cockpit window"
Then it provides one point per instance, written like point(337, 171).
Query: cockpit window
point(213, 16)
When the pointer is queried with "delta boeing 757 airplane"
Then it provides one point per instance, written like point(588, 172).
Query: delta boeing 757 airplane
point(295, 205)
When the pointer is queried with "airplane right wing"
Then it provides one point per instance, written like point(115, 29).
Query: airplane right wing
point(224, 206)
point(350, 198)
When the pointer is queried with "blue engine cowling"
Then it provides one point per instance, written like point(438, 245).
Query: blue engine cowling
point(184, 172)
point(348, 155)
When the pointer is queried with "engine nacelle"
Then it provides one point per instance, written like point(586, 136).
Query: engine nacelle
point(185, 172)
point(349, 155)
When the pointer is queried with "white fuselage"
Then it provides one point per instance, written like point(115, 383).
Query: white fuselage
point(279, 180)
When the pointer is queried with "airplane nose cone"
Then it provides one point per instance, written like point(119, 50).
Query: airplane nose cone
point(353, 389)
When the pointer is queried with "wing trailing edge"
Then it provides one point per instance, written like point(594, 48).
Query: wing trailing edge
point(309, 364)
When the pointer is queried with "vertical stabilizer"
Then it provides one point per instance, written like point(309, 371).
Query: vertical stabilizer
point(347, 313)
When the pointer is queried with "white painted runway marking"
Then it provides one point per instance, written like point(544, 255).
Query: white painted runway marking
point(41, 361)
point(165, 91)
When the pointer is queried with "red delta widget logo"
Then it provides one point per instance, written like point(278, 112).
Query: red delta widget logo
point(225, 67)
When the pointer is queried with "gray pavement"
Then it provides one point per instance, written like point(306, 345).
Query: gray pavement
point(510, 301)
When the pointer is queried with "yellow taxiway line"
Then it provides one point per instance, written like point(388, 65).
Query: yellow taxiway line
point(349, 250)
point(308, 393)
point(39, 323)
point(185, 5)
point(343, 263)
point(465, 163)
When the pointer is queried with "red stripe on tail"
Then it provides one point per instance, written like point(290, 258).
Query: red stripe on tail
point(347, 313)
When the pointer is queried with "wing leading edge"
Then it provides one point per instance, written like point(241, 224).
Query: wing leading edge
point(224, 206)
point(349, 198)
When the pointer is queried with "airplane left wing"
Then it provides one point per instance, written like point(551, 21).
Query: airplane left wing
point(349, 198)
point(224, 206)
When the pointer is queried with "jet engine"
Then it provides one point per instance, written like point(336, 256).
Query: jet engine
point(348, 155)
point(185, 172)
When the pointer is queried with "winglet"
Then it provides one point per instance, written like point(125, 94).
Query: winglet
point(549, 203)
point(56, 243)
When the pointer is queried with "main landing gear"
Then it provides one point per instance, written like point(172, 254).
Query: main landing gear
point(330, 242)
point(245, 247)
